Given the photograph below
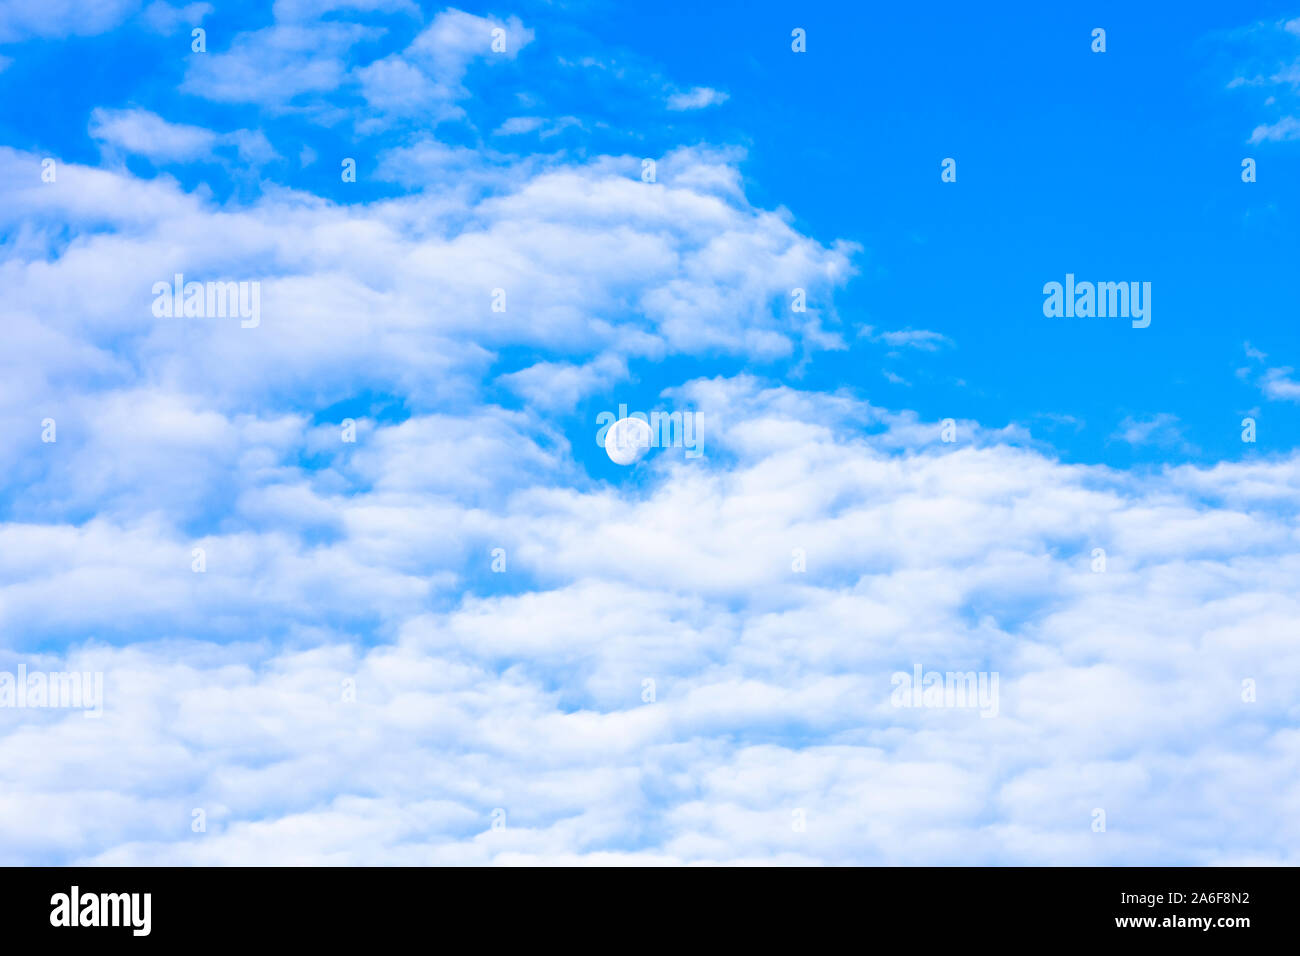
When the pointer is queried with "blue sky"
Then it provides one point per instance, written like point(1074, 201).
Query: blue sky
point(827, 539)
point(1124, 165)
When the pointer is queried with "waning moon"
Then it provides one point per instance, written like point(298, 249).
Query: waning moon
point(627, 440)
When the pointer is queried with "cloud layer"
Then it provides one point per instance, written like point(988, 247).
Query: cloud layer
point(1119, 690)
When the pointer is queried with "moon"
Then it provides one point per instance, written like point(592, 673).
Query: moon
point(627, 440)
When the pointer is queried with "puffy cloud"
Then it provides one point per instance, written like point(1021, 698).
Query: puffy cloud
point(1119, 690)
point(426, 78)
point(398, 295)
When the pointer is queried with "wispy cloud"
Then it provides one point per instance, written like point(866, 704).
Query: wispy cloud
point(697, 98)
point(544, 127)
point(23, 19)
point(147, 134)
point(167, 19)
point(1162, 430)
point(1287, 128)
point(1275, 382)
point(1270, 44)
point(922, 339)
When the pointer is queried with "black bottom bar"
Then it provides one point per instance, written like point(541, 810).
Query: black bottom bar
point(1222, 907)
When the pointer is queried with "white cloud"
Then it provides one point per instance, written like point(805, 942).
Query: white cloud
point(166, 18)
point(426, 77)
point(147, 134)
point(599, 268)
point(516, 125)
point(1287, 128)
point(552, 385)
point(1119, 690)
point(277, 65)
point(1272, 44)
point(24, 19)
point(1278, 384)
point(1160, 429)
point(455, 38)
point(545, 128)
point(697, 98)
point(922, 339)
